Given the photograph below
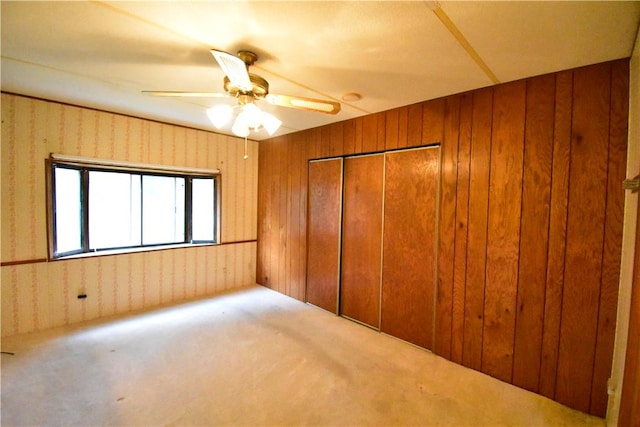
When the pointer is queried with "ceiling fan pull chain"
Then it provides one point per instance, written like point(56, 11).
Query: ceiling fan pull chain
point(246, 156)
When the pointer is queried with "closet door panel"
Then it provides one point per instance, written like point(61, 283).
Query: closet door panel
point(409, 253)
point(323, 233)
point(362, 239)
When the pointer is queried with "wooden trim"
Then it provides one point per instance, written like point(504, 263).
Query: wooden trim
point(117, 165)
point(23, 261)
point(455, 32)
point(97, 254)
point(629, 404)
point(237, 242)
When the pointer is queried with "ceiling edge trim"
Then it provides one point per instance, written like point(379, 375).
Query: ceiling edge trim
point(453, 29)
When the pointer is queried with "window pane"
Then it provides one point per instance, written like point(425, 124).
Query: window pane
point(68, 210)
point(203, 214)
point(114, 209)
point(162, 209)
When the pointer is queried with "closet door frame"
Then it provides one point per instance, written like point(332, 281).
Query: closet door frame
point(339, 279)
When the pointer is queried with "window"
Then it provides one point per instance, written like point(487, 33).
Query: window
point(96, 208)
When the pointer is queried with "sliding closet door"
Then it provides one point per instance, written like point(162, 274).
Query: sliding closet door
point(323, 231)
point(409, 253)
point(362, 238)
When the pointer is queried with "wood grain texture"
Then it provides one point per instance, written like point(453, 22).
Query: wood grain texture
point(323, 233)
point(461, 224)
point(279, 255)
point(293, 226)
point(612, 250)
point(370, 134)
point(470, 139)
point(381, 131)
point(446, 232)
point(433, 114)
point(349, 135)
point(408, 273)
point(477, 228)
point(503, 235)
point(391, 129)
point(403, 127)
point(534, 231)
point(362, 238)
point(585, 235)
point(414, 126)
point(557, 233)
point(336, 132)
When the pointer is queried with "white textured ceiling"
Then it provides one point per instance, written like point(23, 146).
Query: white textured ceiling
point(103, 54)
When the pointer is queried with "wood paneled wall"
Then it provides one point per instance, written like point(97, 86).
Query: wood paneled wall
point(37, 294)
point(530, 221)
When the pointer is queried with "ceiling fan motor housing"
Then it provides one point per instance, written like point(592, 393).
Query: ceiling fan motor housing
point(259, 87)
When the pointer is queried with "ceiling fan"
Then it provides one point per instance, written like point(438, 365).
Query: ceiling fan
point(248, 88)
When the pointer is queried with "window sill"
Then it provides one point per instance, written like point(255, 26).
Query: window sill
point(131, 250)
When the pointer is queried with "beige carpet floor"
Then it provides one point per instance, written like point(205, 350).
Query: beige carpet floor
point(250, 357)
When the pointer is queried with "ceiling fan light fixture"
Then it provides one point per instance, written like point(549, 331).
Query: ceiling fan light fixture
point(270, 122)
point(220, 115)
point(240, 129)
point(251, 116)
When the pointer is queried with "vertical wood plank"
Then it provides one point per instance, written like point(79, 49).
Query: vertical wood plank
point(293, 240)
point(408, 282)
point(381, 130)
point(264, 203)
point(391, 129)
point(446, 231)
point(349, 137)
point(274, 218)
point(433, 113)
point(370, 133)
point(362, 238)
point(403, 127)
point(585, 232)
point(288, 225)
point(325, 141)
point(301, 237)
point(612, 249)
point(477, 228)
point(557, 233)
point(414, 125)
point(281, 259)
point(323, 233)
point(314, 141)
point(337, 139)
point(534, 225)
point(461, 225)
point(359, 135)
point(503, 229)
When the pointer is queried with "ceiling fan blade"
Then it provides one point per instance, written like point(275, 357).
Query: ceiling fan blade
point(176, 93)
point(234, 68)
point(309, 104)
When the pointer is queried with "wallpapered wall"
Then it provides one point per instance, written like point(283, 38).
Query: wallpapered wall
point(37, 294)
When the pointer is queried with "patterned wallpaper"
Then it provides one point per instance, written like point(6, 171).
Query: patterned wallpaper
point(37, 294)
